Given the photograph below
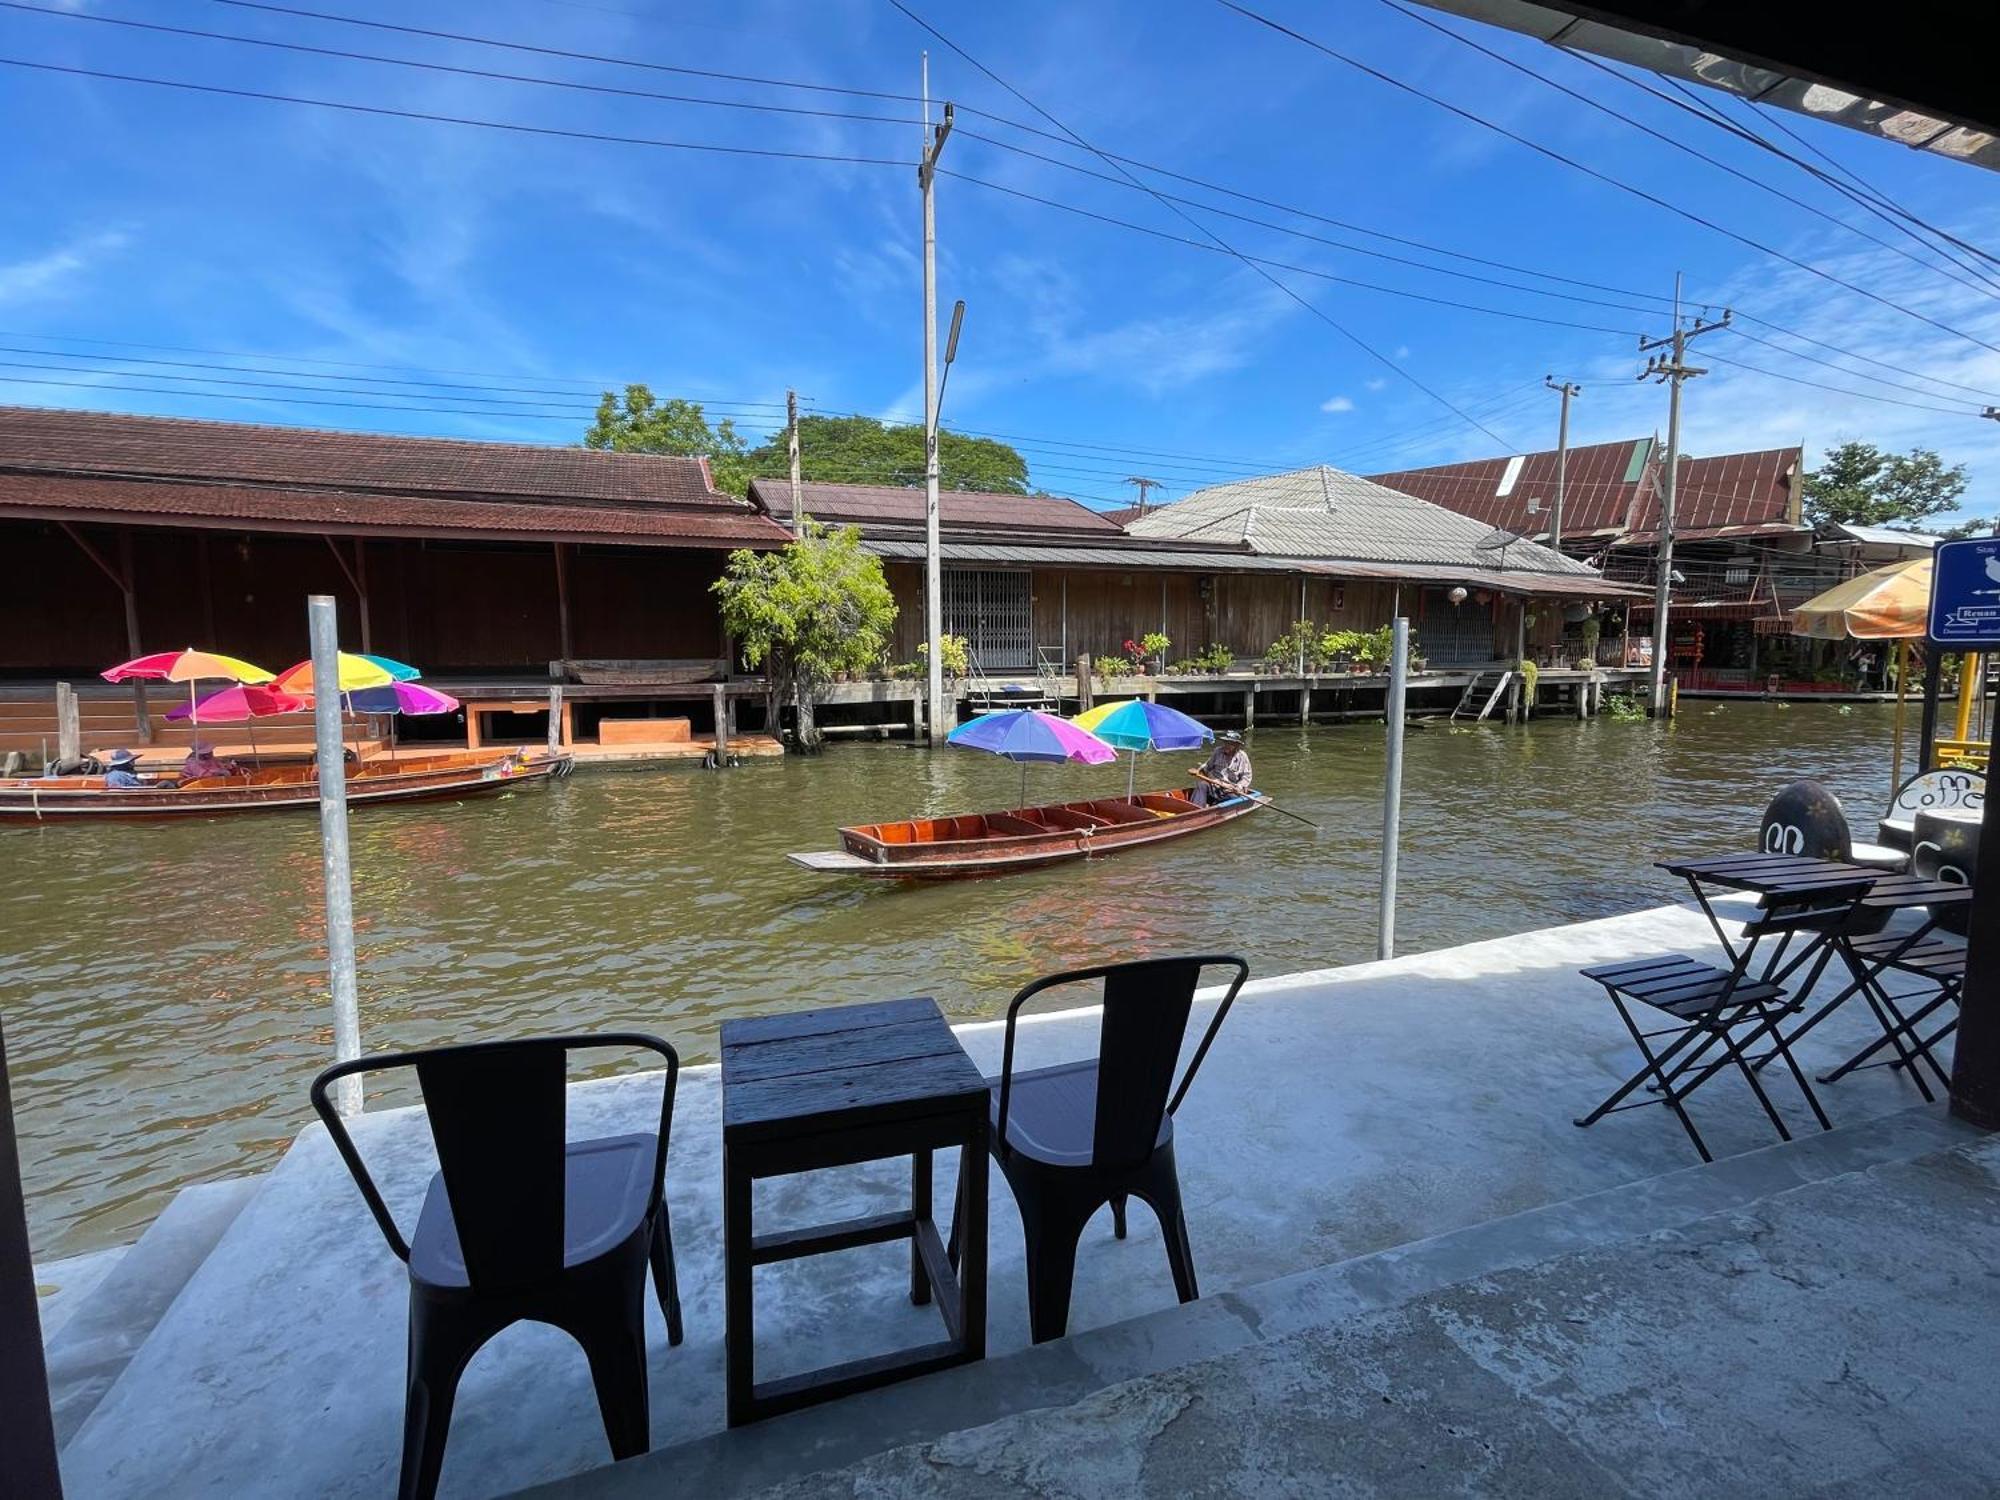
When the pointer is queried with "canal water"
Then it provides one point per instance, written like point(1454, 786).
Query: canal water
point(164, 989)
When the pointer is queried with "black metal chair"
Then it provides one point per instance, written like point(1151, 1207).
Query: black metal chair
point(521, 1225)
point(1077, 1136)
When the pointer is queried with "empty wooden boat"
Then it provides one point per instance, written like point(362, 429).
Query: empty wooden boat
point(1000, 842)
point(29, 799)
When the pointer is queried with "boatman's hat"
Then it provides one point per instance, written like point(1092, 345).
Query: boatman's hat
point(1230, 737)
point(121, 758)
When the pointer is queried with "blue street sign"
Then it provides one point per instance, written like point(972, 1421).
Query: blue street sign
point(1965, 595)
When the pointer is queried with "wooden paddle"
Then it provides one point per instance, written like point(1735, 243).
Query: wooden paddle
point(1257, 797)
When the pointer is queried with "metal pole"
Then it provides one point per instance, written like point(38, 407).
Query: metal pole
point(933, 570)
point(324, 628)
point(792, 448)
point(1392, 794)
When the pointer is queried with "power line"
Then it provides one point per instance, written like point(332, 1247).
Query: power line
point(1316, 311)
point(567, 53)
point(1855, 374)
point(1660, 135)
point(463, 72)
point(1553, 155)
point(1840, 389)
point(436, 119)
point(1259, 263)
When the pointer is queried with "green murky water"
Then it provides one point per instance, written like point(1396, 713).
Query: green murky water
point(163, 987)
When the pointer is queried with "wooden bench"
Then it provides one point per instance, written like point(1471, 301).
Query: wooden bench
point(644, 732)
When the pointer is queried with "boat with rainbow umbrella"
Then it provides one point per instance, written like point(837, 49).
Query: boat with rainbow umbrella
point(1026, 838)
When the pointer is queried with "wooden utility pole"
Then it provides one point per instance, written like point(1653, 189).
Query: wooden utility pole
point(1673, 371)
point(1562, 456)
point(1144, 485)
point(792, 449)
point(934, 139)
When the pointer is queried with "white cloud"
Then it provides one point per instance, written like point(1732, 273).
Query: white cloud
point(1337, 404)
point(1402, 351)
point(1377, 384)
point(44, 275)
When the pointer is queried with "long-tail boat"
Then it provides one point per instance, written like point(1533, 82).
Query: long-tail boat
point(29, 799)
point(999, 843)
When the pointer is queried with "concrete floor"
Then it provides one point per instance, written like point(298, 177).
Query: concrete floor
point(1341, 1112)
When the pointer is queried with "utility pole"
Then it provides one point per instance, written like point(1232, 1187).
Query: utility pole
point(1144, 485)
point(934, 139)
point(1562, 456)
point(792, 449)
point(1673, 371)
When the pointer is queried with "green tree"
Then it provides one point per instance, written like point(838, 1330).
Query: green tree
point(818, 607)
point(1859, 484)
point(862, 450)
point(642, 423)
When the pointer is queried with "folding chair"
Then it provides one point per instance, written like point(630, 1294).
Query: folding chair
point(1709, 1007)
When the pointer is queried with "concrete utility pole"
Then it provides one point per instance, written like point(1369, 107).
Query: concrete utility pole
point(1562, 456)
point(1144, 485)
point(1673, 371)
point(792, 449)
point(934, 139)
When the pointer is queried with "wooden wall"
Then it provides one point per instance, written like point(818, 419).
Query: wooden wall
point(446, 606)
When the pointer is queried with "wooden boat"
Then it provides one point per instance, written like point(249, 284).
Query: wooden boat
point(999, 843)
point(29, 799)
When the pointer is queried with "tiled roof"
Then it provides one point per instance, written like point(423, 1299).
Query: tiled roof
point(1327, 513)
point(156, 502)
point(179, 448)
point(1612, 487)
point(877, 505)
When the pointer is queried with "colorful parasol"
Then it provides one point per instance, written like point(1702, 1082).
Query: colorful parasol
point(188, 666)
point(402, 698)
point(356, 672)
point(1136, 725)
point(239, 705)
point(402, 671)
point(1029, 735)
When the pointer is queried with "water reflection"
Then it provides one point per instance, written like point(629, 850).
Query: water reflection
point(164, 987)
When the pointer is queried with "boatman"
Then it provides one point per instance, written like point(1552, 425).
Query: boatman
point(1228, 763)
point(118, 772)
point(201, 762)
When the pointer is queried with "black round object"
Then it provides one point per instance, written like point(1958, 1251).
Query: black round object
point(1805, 819)
point(1947, 848)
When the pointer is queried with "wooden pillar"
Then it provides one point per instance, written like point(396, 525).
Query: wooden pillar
point(568, 724)
point(1083, 683)
point(27, 1434)
point(69, 734)
point(357, 579)
point(734, 704)
point(1249, 706)
point(555, 717)
point(1305, 703)
point(140, 708)
point(720, 698)
point(562, 600)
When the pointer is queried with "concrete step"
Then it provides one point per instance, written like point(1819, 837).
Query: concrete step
point(1066, 1371)
point(94, 1342)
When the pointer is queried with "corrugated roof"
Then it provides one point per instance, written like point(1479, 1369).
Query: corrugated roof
point(89, 442)
point(1324, 512)
point(1582, 584)
point(868, 505)
point(156, 502)
point(1884, 536)
point(1613, 488)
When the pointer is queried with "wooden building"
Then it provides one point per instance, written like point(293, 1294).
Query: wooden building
point(122, 534)
point(1033, 580)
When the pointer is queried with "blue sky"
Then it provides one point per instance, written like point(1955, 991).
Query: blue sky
point(480, 258)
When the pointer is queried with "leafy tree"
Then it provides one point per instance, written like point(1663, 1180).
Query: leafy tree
point(818, 607)
point(862, 450)
point(1859, 484)
point(642, 423)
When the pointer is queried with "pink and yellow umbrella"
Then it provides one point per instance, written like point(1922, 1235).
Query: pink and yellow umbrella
point(189, 666)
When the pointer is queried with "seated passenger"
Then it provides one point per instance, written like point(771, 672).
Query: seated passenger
point(201, 762)
point(119, 772)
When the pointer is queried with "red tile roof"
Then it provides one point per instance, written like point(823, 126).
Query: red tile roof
point(1613, 488)
point(869, 505)
point(165, 471)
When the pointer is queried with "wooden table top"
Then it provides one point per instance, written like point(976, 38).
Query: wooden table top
point(823, 1070)
point(1775, 874)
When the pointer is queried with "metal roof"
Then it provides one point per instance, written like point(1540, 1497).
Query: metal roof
point(1582, 583)
point(1327, 513)
point(869, 505)
point(1884, 536)
point(1918, 79)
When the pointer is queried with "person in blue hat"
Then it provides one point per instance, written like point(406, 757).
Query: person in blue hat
point(119, 772)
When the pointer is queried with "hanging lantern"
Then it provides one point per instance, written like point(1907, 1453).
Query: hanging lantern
point(1457, 596)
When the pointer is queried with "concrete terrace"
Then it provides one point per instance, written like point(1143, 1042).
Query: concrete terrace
point(1358, 1136)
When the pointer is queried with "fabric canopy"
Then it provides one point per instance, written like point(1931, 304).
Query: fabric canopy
point(1887, 604)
